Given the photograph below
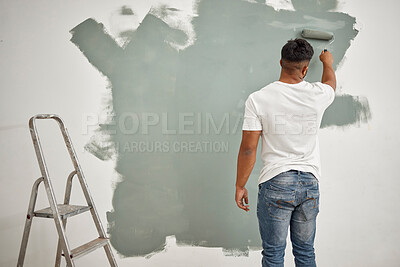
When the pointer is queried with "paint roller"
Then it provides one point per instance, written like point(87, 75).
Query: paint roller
point(318, 35)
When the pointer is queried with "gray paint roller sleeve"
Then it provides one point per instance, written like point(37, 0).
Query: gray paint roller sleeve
point(314, 34)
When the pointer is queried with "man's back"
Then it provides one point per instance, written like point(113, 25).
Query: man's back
point(289, 116)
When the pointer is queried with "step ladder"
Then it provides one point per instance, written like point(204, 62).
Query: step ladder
point(60, 212)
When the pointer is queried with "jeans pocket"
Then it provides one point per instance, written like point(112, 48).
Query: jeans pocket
point(310, 206)
point(280, 203)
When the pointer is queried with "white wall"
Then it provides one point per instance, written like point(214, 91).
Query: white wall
point(43, 72)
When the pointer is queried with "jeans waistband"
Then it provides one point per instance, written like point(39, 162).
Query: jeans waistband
point(294, 176)
point(298, 172)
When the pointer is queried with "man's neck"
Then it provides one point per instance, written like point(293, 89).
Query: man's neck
point(290, 78)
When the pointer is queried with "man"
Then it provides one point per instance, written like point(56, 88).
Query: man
point(287, 115)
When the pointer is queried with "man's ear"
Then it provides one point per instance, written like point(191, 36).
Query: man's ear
point(280, 62)
point(304, 70)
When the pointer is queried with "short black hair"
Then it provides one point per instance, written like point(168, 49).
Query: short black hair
point(297, 50)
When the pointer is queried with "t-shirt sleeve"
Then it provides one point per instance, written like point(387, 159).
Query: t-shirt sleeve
point(251, 121)
point(327, 94)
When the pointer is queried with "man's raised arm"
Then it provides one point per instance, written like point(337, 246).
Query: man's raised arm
point(328, 74)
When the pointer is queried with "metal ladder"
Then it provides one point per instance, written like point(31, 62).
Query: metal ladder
point(60, 212)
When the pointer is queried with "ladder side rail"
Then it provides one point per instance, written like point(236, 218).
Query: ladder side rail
point(110, 255)
point(48, 186)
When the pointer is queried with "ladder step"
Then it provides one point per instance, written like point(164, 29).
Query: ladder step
point(64, 210)
point(88, 247)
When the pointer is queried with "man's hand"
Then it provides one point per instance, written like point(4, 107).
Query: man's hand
point(326, 57)
point(328, 74)
point(242, 198)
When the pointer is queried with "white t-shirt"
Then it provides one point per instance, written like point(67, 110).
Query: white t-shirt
point(289, 116)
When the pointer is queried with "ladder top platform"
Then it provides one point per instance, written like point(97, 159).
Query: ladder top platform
point(64, 210)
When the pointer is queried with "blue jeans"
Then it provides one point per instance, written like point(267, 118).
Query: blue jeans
point(290, 198)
